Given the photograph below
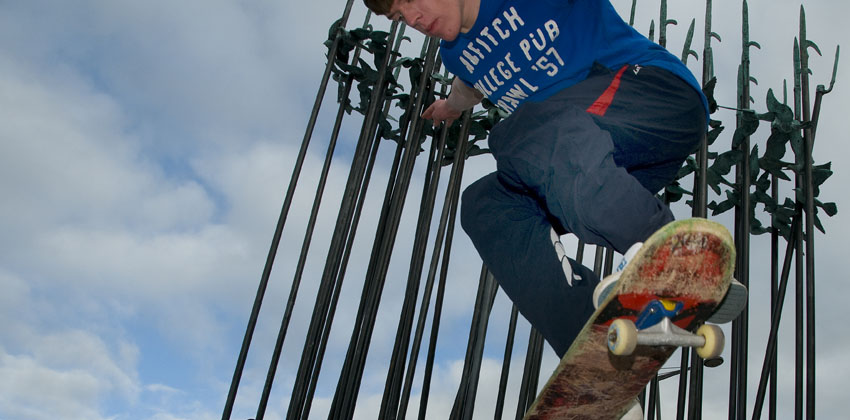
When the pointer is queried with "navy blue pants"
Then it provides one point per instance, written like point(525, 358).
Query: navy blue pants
point(588, 161)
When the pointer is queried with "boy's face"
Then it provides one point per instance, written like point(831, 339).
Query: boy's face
point(443, 19)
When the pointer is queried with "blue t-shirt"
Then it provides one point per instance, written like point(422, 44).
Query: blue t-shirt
point(521, 51)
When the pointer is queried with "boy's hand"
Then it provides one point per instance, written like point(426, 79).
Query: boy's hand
point(440, 111)
point(462, 97)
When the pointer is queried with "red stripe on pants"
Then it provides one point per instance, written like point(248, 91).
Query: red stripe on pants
point(604, 101)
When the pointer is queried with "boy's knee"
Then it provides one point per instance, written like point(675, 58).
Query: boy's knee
point(473, 206)
point(470, 210)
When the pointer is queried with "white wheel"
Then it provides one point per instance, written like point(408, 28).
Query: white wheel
point(622, 337)
point(714, 341)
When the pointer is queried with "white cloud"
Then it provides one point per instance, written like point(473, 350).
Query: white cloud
point(144, 153)
point(33, 391)
point(48, 372)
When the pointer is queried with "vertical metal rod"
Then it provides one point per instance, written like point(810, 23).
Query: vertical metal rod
point(378, 276)
point(774, 286)
point(448, 206)
point(654, 399)
point(305, 247)
point(341, 276)
point(395, 373)
point(346, 373)
point(264, 280)
point(355, 180)
point(696, 379)
point(465, 398)
point(738, 380)
point(473, 371)
point(772, 341)
point(662, 24)
point(337, 289)
point(608, 263)
point(698, 210)
point(580, 252)
point(390, 405)
point(808, 189)
point(506, 364)
point(658, 403)
point(395, 376)
point(774, 299)
point(684, 364)
point(798, 331)
point(454, 200)
point(309, 356)
point(530, 375)
point(599, 259)
point(700, 178)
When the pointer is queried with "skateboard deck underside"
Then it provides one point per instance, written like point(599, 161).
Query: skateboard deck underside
point(689, 261)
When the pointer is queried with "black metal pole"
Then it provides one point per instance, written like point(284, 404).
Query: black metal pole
point(770, 352)
point(264, 279)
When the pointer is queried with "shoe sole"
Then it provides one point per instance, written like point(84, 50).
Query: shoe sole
point(732, 305)
point(604, 288)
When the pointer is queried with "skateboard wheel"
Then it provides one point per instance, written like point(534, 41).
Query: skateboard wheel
point(714, 341)
point(622, 337)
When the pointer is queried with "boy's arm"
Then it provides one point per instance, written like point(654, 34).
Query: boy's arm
point(461, 98)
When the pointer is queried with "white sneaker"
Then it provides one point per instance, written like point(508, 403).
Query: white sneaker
point(604, 288)
point(635, 412)
point(732, 305)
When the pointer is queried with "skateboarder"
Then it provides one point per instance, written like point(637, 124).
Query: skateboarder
point(601, 120)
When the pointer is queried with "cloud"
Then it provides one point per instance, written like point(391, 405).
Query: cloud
point(33, 391)
point(49, 371)
point(144, 153)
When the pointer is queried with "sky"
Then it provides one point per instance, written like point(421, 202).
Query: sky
point(145, 150)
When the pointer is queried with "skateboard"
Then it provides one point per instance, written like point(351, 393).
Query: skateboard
point(660, 303)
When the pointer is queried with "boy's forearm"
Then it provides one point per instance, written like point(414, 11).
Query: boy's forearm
point(462, 96)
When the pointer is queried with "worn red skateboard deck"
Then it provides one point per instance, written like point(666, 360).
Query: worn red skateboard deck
point(689, 261)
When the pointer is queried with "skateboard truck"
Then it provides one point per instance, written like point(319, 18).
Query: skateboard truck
point(654, 327)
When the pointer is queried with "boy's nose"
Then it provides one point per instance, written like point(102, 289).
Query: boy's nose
point(411, 18)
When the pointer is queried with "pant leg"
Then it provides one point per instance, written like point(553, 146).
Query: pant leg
point(512, 234)
point(597, 174)
point(567, 161)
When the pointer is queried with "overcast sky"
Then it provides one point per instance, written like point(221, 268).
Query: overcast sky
point(145, 148)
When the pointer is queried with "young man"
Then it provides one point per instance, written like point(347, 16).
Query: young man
point(601, 120)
